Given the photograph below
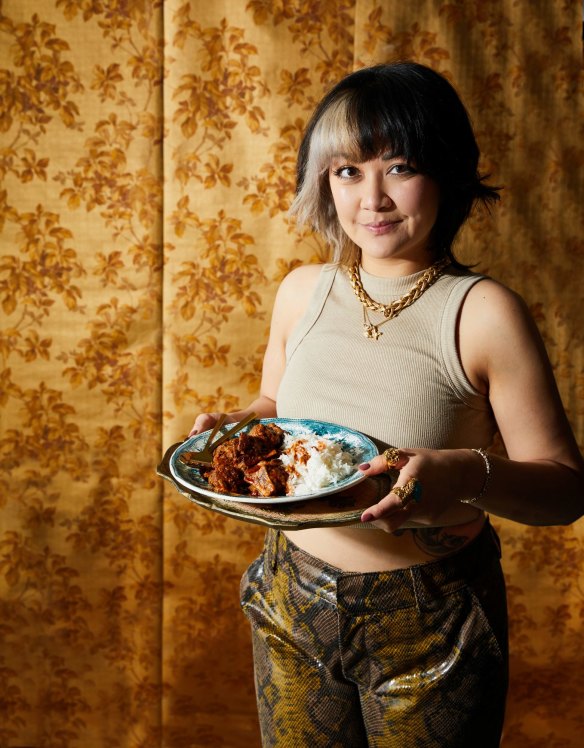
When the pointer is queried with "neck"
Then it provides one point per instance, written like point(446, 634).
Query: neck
point(395, 267)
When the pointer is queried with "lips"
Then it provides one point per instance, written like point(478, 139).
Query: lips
point(380, 227)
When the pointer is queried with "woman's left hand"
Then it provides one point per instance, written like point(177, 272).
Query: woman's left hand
point(440, 479)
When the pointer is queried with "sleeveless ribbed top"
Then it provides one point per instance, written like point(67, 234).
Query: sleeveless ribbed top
point(407, 388)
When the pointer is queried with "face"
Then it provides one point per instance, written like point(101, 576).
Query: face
point(388, 209)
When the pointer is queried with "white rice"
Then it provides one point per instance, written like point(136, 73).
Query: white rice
point(313, 463)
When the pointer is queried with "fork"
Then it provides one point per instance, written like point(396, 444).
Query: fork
point(205, 455)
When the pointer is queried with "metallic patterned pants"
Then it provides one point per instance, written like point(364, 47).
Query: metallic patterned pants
point(412, 658)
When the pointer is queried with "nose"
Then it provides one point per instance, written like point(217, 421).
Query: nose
point(374, 195)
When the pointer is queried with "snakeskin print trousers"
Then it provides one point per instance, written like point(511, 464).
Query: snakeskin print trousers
point(412, 658)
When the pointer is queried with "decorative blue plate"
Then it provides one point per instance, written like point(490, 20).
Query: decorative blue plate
point(360, 447)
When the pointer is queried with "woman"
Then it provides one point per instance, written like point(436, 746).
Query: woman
point(394, 632)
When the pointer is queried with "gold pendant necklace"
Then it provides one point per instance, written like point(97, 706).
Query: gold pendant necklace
point(391, 310)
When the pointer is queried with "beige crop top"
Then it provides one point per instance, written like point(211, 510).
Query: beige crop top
point(407, 388)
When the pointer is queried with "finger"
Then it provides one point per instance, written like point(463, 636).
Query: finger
point(391, 524)
point(381, 464)
point(203, 422)
point(410, 491)
point(387, 505)
point(398, 499)
point(388, 516)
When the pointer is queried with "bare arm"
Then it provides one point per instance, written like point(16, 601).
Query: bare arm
point(541, 482)
point(290, 304)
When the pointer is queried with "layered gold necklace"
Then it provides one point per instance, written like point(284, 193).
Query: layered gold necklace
point(391, 310)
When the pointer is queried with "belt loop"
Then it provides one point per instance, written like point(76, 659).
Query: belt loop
point(417, 596)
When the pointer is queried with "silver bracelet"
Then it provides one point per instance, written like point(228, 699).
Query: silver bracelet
point(487, 480)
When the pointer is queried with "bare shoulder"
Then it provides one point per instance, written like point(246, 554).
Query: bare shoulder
point(493, 298)
point(297, 289)
point(302, 279)
point(494, 310)
point(495, 329)
point(502, 350)
point(293, 297)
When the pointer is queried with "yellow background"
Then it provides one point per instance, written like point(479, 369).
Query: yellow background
point(146, 163)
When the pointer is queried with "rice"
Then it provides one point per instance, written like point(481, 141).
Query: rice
point(313, 463)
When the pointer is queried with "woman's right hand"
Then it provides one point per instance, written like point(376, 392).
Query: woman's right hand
point(206, 421)
point(263, 406)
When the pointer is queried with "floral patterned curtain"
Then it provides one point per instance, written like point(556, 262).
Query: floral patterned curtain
point(147, 155)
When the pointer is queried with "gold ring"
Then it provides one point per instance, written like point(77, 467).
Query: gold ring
point(412, 491)
point(391, 457)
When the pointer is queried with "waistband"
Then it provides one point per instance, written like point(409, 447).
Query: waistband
point(368, 592)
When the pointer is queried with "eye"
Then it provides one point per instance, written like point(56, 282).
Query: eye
point(402, 169)
point(346, 172)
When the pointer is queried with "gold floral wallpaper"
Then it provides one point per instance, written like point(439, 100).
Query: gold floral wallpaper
point(147, 154)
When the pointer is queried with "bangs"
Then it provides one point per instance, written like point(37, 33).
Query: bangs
point(360, 128)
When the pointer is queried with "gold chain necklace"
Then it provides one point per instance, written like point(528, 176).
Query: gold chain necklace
point(391, 310)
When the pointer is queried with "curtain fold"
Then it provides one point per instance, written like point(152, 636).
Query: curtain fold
point(147, 155)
